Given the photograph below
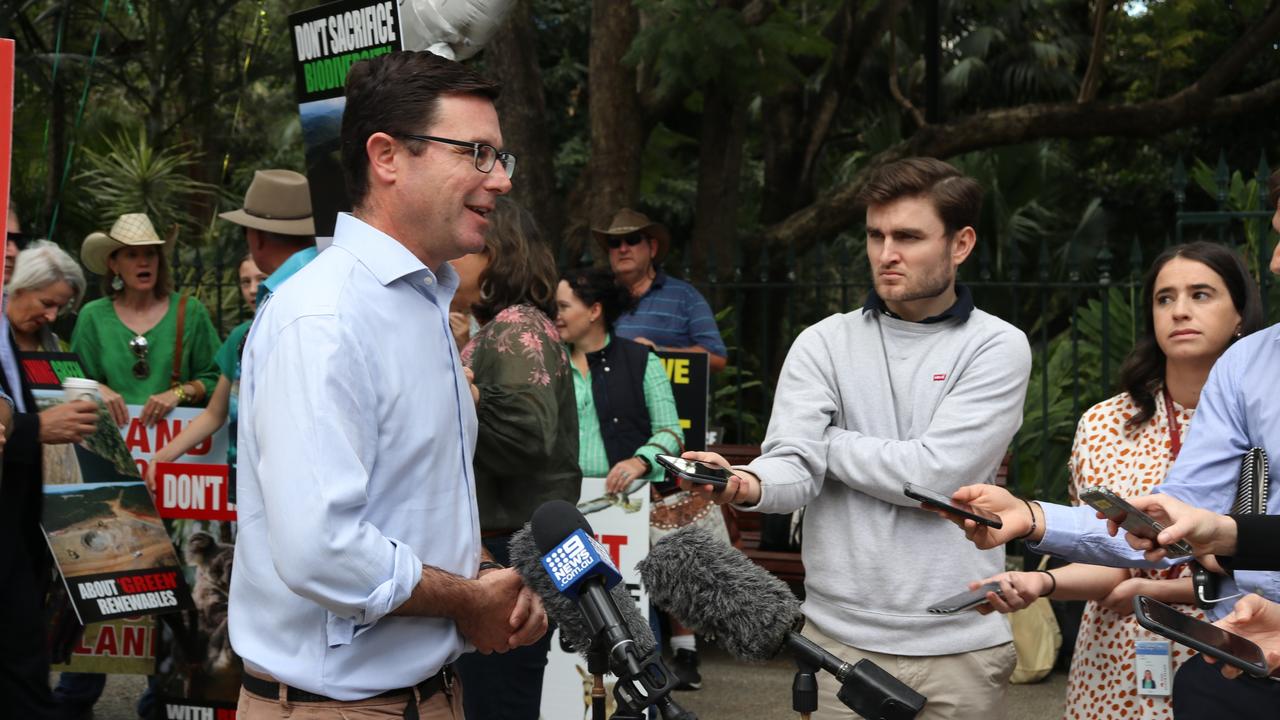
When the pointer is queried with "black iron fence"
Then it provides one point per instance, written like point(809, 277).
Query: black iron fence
point(1076, 300)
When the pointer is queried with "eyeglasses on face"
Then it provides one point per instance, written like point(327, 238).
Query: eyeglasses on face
point(18, 240)
point(486, 155)
point(615, 241)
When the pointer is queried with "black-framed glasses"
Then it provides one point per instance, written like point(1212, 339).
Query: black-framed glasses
point(486, 155)
point(140, 346)
point(615, 241)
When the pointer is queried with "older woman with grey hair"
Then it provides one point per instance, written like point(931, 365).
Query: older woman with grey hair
point(47, 283)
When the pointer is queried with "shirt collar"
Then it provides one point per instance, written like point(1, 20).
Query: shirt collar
point(295, 263)
point(960, 309)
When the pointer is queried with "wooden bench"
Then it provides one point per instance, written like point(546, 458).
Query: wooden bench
point(744, 527)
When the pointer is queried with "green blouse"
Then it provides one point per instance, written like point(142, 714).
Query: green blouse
point(102, 342)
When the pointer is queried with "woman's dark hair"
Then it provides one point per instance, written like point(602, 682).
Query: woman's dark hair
point(598, 285)
point(521, 269)
point(1142, 373)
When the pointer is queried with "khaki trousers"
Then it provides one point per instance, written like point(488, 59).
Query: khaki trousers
point(964, 686)
point(440, 706)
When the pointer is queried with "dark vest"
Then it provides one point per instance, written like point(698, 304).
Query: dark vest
point(617, 387)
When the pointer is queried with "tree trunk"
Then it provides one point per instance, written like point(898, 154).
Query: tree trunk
point(512, 59)
point(612, 176)
point(724, 128)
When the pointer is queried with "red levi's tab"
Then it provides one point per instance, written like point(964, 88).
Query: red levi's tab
point(939, 377)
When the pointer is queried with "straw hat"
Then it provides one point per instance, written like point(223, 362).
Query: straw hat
point(277, 201)
point(130, 230)
point(627, 221)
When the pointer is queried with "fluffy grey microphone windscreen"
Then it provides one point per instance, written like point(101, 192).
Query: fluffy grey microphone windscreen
point(564, 612)
point(713, 588)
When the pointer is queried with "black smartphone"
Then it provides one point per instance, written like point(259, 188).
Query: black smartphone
point(966, 600)
point(695, 471)
point(938, 500)
point(1209, 639)
point(1130, 518)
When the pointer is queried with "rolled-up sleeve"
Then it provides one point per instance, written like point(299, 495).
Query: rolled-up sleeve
point(316, 425)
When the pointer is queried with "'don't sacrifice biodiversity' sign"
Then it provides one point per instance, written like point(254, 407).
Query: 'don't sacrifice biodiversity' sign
point(329, 39)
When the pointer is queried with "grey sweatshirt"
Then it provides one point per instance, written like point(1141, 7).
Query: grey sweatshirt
point(865, 403)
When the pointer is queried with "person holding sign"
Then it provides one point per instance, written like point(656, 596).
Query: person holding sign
point(360, 577)
point(668, 314)
point(143, 343)
point(527, 441)
point(626, 416)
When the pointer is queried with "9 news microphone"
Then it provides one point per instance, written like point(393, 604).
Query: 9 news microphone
point(558, 558)
point(713, 588)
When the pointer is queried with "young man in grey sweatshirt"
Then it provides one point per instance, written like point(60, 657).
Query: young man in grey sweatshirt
point(916, 386)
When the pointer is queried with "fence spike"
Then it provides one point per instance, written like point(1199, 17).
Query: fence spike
point(1262, 176)
point(764, 263)
point(1104, 264)
point(1222, 179)
point(1043, 264)
point(1179, 183)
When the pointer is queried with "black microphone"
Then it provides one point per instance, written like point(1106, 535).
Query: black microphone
point(714, 589)
point(557, 557)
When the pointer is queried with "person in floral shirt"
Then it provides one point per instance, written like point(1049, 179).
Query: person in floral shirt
point(527, 445)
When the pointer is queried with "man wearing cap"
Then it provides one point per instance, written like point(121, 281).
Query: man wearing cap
point(278, 226)
point(360, 577)
point(669, 313)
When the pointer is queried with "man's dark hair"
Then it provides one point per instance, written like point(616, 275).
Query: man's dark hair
point(1273, 190)
point(956, 196)
point(397, 93)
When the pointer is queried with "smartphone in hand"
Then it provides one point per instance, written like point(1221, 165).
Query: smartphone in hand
point(1209, 639)
point(1130, 518)
point(966, 600)
point(695, 471)
point(938, 500)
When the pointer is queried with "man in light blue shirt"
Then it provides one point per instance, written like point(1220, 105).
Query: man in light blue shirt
point(359, 572)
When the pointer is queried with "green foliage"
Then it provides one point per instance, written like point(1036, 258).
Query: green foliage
point(1238, 195)
point(134, 176)
point(731, 382)
point(690, 43)
point(1066, 380)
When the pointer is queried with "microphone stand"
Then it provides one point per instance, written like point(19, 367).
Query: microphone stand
point(865, 687)
point(804, 688)
point(598, 664)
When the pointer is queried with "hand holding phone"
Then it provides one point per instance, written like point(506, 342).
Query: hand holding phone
point(967, 600)
point(1209, 639)
point(695, 471)
point(1118, 510)
point(942, 502)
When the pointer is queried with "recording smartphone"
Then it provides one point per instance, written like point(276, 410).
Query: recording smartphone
point(1134, 520)
point(695, 471)
point(938, 500)
point(966, 600)
point(1209, 639)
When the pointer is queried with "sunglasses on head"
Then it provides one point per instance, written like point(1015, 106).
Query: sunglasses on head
point(615, 241)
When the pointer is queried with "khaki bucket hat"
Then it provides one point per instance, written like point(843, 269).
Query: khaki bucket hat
point(277, 201)
point(627, 221)
point(129, 230)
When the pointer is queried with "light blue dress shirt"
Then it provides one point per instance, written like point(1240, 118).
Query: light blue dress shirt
point(356, 433)
point(1239, 409)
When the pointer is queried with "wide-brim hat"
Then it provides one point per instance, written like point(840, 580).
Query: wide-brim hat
point(129, 230)
point(627, 221)
point(277, 201)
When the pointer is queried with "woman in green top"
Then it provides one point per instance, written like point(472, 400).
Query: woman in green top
point(224, 402)
point(128, 340)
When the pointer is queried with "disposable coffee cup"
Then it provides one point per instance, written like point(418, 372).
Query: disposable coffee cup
point(80, 389)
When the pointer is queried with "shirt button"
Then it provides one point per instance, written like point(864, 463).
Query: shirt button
point(428, 281)
point(606, 368)
point(615, 419)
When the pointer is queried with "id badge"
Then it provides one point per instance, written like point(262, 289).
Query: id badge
point(1154, 666)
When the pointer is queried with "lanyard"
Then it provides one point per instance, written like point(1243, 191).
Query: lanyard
point(1175, 430)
